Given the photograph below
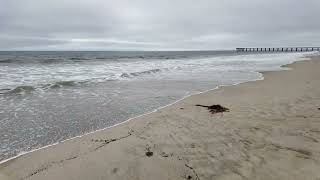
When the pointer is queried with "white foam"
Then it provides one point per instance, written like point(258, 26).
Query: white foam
point(96, 71)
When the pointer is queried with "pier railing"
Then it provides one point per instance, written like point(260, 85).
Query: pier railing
point(279, 49)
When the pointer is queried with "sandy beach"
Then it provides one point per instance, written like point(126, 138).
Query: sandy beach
point(272, 131)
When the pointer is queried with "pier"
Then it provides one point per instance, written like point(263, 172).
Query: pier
point(279, 49)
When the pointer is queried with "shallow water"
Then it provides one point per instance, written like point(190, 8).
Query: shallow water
point(47, 97)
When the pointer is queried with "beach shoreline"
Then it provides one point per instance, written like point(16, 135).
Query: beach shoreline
point(281, 68)
point(130, 140)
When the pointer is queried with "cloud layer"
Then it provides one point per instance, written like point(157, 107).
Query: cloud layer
point(157, 25)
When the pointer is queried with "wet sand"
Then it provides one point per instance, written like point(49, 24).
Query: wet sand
point(272, 131)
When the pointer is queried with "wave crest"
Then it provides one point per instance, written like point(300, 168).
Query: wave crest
point(140, 73)
point(60, 84)
point(7, 61)
point(19, 90)
point(29, 89)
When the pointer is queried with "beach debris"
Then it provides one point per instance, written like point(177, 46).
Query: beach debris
point(217, 108)
point(115, 170)
point(189, 177)
point(193, 170)
point(304, 152)
point(107, 141)
point(49, 165)
point(163, 154)
point(318, 108)
point(104, 142)
point(149, 153)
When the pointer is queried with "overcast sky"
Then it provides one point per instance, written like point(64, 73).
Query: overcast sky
point(157, 24)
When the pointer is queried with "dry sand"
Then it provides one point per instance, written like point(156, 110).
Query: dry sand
point(271, 132)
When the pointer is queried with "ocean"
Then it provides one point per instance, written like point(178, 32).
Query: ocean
point(48, 97)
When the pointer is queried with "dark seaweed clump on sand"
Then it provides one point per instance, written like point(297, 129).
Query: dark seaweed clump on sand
point(217, 108)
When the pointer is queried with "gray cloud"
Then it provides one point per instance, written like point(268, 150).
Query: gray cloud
point(157, 25)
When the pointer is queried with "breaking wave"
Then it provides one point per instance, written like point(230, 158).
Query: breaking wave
point(23, 89)
point(29, 89)
point(7, 61)
point(18, 90)
point(60, 84)
point(141, 73)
